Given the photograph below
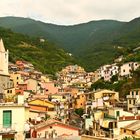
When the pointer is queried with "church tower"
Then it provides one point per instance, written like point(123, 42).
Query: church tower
point(4, 56)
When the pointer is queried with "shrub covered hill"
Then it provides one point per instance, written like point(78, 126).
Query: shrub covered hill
point(94, 43)
point(45, 56)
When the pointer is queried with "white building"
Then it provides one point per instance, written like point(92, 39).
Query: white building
point(133, 99)
point(107, 71)
point(127, 68)
point(12, 121)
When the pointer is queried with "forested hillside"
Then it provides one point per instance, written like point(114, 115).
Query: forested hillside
point(45, 56)
point(94, 43)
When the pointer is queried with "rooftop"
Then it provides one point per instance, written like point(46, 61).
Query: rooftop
point(133, 126)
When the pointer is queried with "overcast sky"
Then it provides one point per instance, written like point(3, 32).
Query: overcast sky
point(68, 12)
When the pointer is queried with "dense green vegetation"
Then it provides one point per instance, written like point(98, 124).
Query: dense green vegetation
point(45, 56)
point(79, 111)
point(94, 43)
point(89, 42)
point(130, 138)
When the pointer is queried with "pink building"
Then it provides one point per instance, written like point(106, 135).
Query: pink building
point(50, 88)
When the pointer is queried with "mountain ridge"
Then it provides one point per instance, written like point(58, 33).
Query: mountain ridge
point(88, 42)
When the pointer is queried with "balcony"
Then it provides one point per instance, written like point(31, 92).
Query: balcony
point(8, 130)
point(89, 103)
point(132, 96)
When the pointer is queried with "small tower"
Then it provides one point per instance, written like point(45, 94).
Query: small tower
point(4, 56)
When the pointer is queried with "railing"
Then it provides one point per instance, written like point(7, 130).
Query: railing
point(109, 116)
point(89, 103)
point(132, 96)
point(8, 129)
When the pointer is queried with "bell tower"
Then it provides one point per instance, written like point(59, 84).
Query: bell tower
point(4, 56)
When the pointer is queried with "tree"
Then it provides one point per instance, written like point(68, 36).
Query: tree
point(79, 111)
point(101, 84)
point(130, 138)
point(114, 78)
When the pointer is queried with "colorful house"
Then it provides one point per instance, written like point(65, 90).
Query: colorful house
point(39, 105)
point(53, 129)
point(132, 129)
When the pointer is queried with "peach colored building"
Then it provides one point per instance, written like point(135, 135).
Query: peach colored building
point(80, 101)
point(32, 84)
point(16, 77)
point(50, 87)
point(53, 129)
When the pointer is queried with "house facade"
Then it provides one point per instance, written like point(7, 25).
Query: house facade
point(127, 68)
point(133, 99)
point(12, 121)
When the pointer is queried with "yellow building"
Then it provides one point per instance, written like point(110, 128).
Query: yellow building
point(103, 93)
point(109, 123)
point(133, 98)
point(80, 101)
point(9, 94)
point(45, 78)
point(59, 97)
point(132, 129)
point(42, 103)
point(16, 77)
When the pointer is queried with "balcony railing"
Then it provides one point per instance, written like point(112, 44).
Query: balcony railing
point(8, 129)
point(132, 96)
point(89, 103)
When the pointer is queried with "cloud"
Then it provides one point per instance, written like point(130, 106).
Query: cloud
point(71, 11)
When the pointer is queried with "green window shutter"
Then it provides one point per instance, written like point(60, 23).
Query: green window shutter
point(118, 113)
point(7, 118)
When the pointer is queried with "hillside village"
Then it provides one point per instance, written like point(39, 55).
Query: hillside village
point(34, 106)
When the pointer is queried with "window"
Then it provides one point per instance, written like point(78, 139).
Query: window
point(118, 113)
point(124, 131)
point(133, 132)
point(124, 70)
point(78, 96)
point(129, 101)
point(111, 125)
point(64, 97)
point(50, 109)
point(132, 93)
point(115, 124)
point(7, 118)
point(134, 102)
point(136, 92)
point(17, 78)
